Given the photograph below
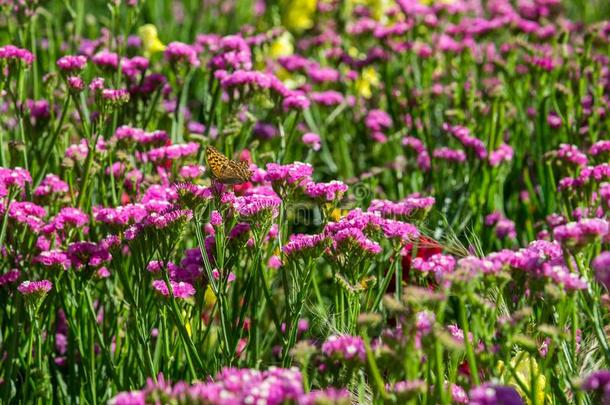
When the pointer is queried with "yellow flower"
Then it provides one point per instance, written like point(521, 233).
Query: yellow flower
point(299, 14)
point(209, 297)
point(366, 82)
point(150, 39)
point(282, 46)
point(525, 366)
point(187, 323)
point(336, 214)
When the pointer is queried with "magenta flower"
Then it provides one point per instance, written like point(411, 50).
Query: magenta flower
point(450, 155)
point(554, 121)
point(257, 206)
point(72, 63)
point(327, 98)
point(344, 348)
point(178, 52)
point(115, 96)
point(53, 258)
point(295, 101)
point(51, 184)
point(180, 289)
point(75, 83)
point(581, 233)
point(409, 207)
point(11, 53)
point(35, 287)
point(313, 140)
point(598, 381)
point(462, 134)
point(332, 191)
point(504, 153)
point(13, 178)
point(572, 155)
point(301, 245)
point(106, 60)
point(601, 265)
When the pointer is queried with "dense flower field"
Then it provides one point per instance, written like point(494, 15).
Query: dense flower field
point(305, 201)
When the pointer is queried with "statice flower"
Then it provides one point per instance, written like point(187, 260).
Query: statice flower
point(474, 265)
point(599, 147)
point(406, 390)
point(377, 122)
point(313, 140)
point(344, 348)
point(141, 137)
point(192, 195)
point(35, 287)
point(504, 227)
point(581, 233)
point(462, 134)
point(295, 101)
point(13, 179)
point(399, 230)
point(53, 258)
point(261, 207)
point(409, 207)
point(11, 53)
point(327, 98)
point(423, 158)
point(332, 191)
point(26, 213)
point(106, 60)
point(120, 216)
point(301, 245)
point(601, 266)
point(75, 83)
point(561, 275)
point(51, 184)
point(231, 51)
point(572, 155)
point(191, 171)
point(180, 289)
point(89, 254)
point(264, 130)
point(437, 264)
point(353, 240)
point(172, 152)
point(554, 120)
point(9, 277)
point(72, 63)
point(450, 155)
point(491, 394)
point(67, 217)
point(598, 381)
point(178, 52)
point(134, 66)
point(115, 96)
point(504, 153)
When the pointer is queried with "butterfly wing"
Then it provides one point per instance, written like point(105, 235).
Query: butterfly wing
point(235, 173)
point(224, 170)
point(216, 161)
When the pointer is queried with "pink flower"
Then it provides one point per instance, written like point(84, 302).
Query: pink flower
point(35, 287)
point(180, 289)
point(312, 140)
point(72, 63)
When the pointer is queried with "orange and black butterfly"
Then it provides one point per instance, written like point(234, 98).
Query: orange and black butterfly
point(225, 170)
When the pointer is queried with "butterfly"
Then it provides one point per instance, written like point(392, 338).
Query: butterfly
point(225, 170)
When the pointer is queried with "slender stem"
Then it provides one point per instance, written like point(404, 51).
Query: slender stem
point(467, 342)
